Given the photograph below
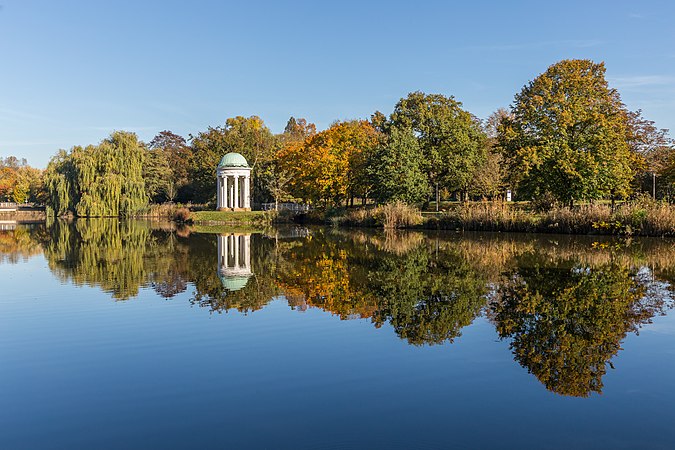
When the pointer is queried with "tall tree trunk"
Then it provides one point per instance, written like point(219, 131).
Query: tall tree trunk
point(438, 197)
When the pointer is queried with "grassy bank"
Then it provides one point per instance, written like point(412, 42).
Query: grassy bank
point(637, 218)
point(230, 217)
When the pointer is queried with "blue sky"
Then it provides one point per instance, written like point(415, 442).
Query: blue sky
point(73, 71)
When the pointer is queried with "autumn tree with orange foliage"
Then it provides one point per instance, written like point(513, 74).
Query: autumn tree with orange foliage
point(20, 182)
point(330, 167)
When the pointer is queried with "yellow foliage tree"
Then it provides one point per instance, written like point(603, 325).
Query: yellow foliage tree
point(330, 167)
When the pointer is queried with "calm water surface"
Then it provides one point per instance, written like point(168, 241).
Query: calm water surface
point(130, 335)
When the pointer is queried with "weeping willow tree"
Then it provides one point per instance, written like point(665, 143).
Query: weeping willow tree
point(98, 180)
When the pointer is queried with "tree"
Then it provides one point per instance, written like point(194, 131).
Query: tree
point(568, 136)
point(245, 135)
point(19, 182)
point(489, 180)
point(395, 169)
point(330, 166)
point(178, 156)
point(278, 182)
point(297, 130)
point(451, 139)
point(60, 183)
point(652, 149)
point(98, 180)
point(272, 172)
point(160, 183)
point(668, 177)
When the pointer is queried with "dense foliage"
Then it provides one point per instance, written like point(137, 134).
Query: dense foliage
point(452, 140)
point(569, 136)
point(99, 180)
point(566, 138)
point(20, 182)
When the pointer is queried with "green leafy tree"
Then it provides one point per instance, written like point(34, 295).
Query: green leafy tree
point(569, 136)
point(395, 169)
point(159, 177)
point(178, 156)
point(245, 135)
point(451, 139)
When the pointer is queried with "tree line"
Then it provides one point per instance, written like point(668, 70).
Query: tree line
point(566, 138)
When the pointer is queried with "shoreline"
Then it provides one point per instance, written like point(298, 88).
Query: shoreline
point(649, 219)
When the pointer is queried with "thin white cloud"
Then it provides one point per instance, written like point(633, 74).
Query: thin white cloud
point(642, 81)
point(637, 16)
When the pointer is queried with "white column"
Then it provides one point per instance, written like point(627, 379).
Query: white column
point(236, 191)
point(236, 252)
point(247, 192)
point(231, 194)
point(247, 252)
point(217, 191)
point(223, 258)
point(230, 250)
point(223, 185)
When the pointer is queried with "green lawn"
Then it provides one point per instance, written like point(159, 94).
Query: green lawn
point(230, 217)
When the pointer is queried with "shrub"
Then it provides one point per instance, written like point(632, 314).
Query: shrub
point(398, 215)
point(182, 215)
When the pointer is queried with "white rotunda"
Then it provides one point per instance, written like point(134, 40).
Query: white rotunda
point(233, 183)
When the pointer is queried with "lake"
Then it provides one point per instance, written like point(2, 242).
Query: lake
point(136, 334)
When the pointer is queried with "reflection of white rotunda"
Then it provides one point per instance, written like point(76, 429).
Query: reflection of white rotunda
point(233, 183)
point(234, 260)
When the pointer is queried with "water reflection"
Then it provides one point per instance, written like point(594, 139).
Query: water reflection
point(234, 260)
point(566, 323)
point(563, 304)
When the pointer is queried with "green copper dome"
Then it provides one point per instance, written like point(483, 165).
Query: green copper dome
point(234, 283)
point(233, 160)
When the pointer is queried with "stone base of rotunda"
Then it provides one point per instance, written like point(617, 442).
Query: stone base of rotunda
point(233, 209)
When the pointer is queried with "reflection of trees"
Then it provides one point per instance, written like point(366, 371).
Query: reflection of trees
point(565, 304)
point(17, 245)
point(427, 299)
point(325, 273)
point(105, 253)
point(121, 257)
point(565, 324)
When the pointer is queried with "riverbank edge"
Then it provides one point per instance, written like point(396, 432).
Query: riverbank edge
point(23, 216)
point(653, 219)
point(638, 218)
